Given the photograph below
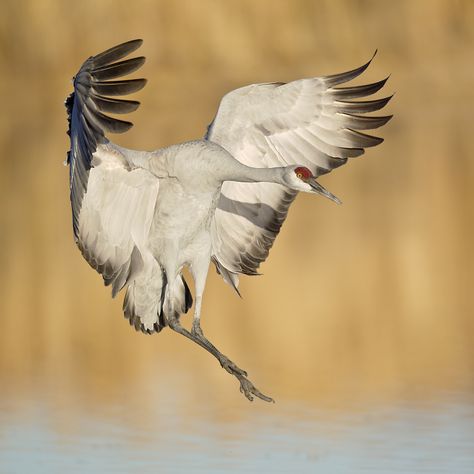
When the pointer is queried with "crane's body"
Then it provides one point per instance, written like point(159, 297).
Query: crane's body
point(140, 218)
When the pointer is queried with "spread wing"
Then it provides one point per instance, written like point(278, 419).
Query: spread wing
point(310, 122)
point(87, 107)
point(113, 205)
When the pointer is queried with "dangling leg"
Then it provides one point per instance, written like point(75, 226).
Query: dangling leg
point(199, 270)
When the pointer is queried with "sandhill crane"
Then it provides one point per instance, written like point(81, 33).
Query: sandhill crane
point(140, 217)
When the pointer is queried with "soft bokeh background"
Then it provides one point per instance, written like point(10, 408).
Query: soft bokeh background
point(368, 303)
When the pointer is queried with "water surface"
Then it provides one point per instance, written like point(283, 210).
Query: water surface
point(44, 436)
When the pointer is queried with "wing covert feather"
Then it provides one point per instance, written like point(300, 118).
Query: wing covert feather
point(115, 221)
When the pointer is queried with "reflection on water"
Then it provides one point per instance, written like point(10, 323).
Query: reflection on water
point(38, 437)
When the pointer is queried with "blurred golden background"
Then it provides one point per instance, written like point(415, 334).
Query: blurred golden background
point(370, 300)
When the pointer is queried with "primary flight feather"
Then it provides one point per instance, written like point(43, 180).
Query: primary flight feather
point(140, 217)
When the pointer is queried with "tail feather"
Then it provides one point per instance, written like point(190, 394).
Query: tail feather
point(146, 305)
point(142, 302)
point(181, 299)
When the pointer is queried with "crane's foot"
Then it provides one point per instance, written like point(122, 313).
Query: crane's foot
point(196, 335)
point(246, 386)
point(248, 389)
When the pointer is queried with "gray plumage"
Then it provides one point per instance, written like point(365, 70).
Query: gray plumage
point(140, 217)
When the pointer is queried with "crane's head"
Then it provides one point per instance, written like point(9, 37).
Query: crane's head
point(301, 178)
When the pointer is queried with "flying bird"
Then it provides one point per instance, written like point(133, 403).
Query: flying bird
point(139, 218)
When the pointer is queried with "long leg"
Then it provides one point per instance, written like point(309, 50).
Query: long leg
point(246, 386)
point(199, 271)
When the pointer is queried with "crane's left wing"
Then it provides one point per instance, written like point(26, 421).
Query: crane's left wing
point(310, 122)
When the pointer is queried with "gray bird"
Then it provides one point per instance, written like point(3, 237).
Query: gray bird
point(140, 217)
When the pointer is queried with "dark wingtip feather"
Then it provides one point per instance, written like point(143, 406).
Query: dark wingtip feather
point(355, 92)
point(114, 106)
point(362, 122)
point(347, 76)
point(351, 152)
point(112, 125)
point(121, 68)
point(362, 106)
point(113, 88)
point(116, 52)
point(364, 140)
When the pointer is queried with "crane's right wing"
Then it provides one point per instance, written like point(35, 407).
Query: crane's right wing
point(86, 106)
point(112, 204)
point(114, 225)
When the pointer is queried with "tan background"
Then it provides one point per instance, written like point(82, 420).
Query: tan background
point(370, 300)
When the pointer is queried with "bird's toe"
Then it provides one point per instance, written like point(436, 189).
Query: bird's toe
point(249, 390)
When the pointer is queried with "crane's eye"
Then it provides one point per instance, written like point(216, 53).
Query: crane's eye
point(303, 173)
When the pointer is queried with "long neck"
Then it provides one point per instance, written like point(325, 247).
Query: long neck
point(247, 174)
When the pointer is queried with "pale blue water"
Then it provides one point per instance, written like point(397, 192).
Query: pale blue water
point(408, 437)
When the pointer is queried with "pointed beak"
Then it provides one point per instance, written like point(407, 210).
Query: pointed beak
point(321, 190)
